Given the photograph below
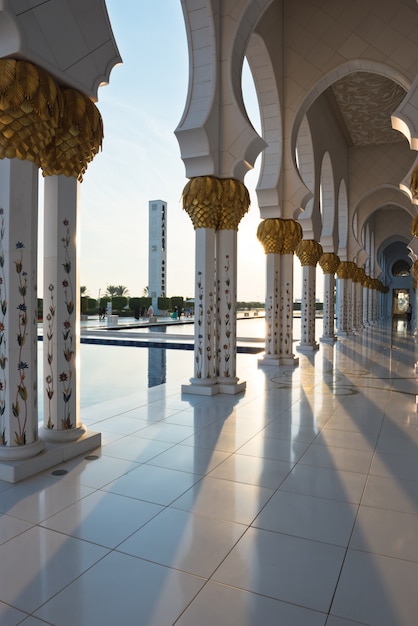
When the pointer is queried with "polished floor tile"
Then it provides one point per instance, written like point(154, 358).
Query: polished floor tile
point(283, 567)
point(326, 483)
point(389, 492)
point(309, 517)
point(252, 470)
point(294, 503)
point(224, 500)
point(153, 484)
point(45, 562)
point(194, 543)
point(103, 518)
point(377, 590)
point(389, 533)
point(191, 459)
point(220, 604)
point(122, 589)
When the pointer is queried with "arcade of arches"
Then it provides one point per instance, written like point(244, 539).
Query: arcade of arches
point(337, 84)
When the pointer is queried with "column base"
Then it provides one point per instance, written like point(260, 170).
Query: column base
point(275, 360)
point(20, 453)
point(62, 436)
point(331, 339)
point(269, 359)
point(307, 347)
point(222, 386)
point(13, 471)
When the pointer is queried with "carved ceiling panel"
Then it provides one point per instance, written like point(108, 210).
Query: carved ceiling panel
point(366, 102)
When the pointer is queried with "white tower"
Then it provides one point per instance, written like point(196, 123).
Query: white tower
point(157, 251)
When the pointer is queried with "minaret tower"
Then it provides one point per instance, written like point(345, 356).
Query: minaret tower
point(157, 251)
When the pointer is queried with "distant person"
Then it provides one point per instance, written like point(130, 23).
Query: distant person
point(409, 314)
point(150, 311)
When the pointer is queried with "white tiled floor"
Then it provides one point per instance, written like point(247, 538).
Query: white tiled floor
point(295, 504)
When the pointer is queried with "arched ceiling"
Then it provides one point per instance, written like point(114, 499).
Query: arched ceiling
point(363, 102)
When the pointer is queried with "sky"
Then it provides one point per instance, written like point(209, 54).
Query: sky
point(140, 161)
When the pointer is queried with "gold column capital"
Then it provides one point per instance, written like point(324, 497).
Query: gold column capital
point(202, 201)
point(360, 275)
point(346, 269)
point(78, 137)
point(235, 203)
point(329, 262)
point(415, 270)
point(414, 225)
point(215, 203)
point(60, 130)
point(278, 235)
point(30, 108)
point(414, 183)
point(309, 252)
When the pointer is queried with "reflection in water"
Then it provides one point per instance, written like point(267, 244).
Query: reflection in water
point(157, 363)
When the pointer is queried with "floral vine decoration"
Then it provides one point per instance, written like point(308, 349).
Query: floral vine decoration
point(3, 311)
point(22, 392)
point(49, 379)
point(66, 377)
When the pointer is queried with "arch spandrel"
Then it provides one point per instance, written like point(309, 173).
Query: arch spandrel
point(262, 70)
point(404, 118)
point(378, 199)
point(78, 53)
point(214, 130)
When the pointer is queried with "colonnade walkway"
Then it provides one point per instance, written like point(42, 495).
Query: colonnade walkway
point(293, 504)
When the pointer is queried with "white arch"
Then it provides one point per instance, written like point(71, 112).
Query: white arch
point(327, 205)
point(342, 212)
point(271, 124)
point(350, 67)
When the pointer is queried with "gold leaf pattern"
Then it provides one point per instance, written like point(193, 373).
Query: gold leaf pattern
point(279, 236)
point(59, 130)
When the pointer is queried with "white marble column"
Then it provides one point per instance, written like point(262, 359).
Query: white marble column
point(205, 345)
point(370, 301)
point(345, 297)
point(329, 263)
point(365, 302)
point(18, 310)
point(309, 253)
point(359, 295)
point(272, 311)
point(279, 238)
point(215, 207)
point(287, 356)
point(226, 273)
point(61, 325)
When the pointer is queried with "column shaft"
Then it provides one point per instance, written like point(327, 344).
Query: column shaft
point(61, 310)
point(272, 307)
point(286, 354)
point(18, 315)
point(328, 324)
point(226, 273)
point(308, 312)
point(205, 309)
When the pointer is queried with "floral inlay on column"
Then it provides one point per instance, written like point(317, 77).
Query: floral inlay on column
point(66, 376)
point(227, 321)
point(21, 392)
point(49, 379)
point(3, 310)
